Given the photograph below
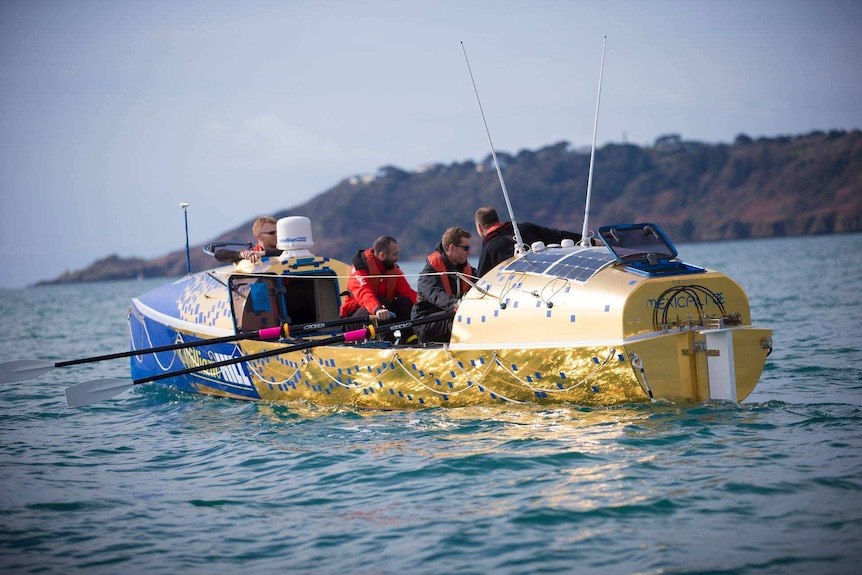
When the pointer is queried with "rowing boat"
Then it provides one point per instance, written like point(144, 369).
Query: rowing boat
point(602, 325)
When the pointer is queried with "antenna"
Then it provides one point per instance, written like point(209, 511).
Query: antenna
point(184, 206)
point(519, 243)
point(585, 241)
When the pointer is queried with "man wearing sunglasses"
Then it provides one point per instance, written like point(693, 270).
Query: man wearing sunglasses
point(442, 283)
point(265, 233)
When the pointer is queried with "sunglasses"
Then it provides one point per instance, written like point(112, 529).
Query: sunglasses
point(267, 233)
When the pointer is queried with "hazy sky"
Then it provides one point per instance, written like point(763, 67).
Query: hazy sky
point(113, 112)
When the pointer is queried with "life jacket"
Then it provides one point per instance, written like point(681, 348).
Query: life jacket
point(438, 263)
point(377, 279)
point(493, 230)
point(379, 275)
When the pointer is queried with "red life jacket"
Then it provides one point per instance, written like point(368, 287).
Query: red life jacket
point(491, 231)
point(436, 261)
point(380, 276)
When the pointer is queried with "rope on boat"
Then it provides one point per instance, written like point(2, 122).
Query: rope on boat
point(638, 364)
point(309, 361)
point(541, 295)
point(145, 332)
point(694, 291)
point(211, 274)
point(611, 352)
point(509, 285)
point(478, 382)
point(387, 366)
point(254, 372)
point(506, 288)
point(428, 387)
point(473, 282)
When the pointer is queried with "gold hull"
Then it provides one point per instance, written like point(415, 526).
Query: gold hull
point(609, 337)
point(405, 378)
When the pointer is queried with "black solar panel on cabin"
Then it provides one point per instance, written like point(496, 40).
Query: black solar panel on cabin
point(579, 266)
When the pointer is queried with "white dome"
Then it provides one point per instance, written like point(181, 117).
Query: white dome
point(294, 235)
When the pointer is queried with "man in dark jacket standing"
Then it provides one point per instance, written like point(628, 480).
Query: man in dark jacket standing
point(498, 238)
point(441, 284)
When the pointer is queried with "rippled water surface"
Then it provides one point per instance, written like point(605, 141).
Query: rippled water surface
point(158, 482)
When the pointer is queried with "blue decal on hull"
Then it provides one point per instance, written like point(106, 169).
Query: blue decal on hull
point(230, 379)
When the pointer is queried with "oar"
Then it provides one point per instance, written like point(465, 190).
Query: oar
point(24, 369)
point(96, 390)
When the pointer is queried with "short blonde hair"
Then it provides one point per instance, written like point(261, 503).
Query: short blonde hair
point(259, 222)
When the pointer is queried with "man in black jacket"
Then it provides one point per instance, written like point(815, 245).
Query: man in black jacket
point(498, 238)
point(442, 283)
point(264, 231)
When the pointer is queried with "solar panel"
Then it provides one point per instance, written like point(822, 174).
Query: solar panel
point(580, 265)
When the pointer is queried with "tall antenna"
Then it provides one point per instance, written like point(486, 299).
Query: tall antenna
point(585, 241)
point(185, 206)
point(519, 243)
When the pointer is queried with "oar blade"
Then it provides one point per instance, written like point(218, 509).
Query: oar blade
point(95, 390)
point(23, 369)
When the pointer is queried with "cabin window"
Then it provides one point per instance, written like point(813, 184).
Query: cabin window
point(261, 301)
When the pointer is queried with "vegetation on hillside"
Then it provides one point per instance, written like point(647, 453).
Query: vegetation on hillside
point(753, 188)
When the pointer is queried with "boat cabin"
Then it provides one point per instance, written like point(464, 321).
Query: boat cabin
point(261, 301)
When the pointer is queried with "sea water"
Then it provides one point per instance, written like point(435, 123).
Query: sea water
point(160, 482)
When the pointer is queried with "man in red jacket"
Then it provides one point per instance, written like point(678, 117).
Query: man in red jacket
point(377, 285)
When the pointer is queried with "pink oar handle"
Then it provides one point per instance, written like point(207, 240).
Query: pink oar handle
point(270, 333)
point(356, 335)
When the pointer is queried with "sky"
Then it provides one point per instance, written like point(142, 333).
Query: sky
point(114, 112)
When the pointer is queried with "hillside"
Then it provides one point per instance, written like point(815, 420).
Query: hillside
point(785, 186)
